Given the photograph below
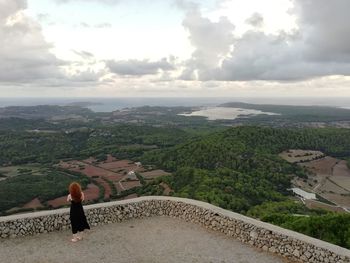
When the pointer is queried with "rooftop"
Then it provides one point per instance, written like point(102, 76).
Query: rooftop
point(155, 239)
point(304, 194)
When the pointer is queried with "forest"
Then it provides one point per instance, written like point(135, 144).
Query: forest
point(18, 147)
point(235, 168)
point(239, 169)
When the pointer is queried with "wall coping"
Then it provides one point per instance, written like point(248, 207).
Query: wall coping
point(310, 240)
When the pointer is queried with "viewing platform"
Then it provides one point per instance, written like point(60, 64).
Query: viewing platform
point(157, 229)
point(157, 239)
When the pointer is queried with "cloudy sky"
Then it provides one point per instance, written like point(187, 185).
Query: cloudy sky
point(117, 48)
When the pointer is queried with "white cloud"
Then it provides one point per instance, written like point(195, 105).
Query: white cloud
point(134, 67)
point(96, 26)
point(103, 25)
point(109, 2)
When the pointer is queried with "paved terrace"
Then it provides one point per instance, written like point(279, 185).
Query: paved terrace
point(158, 229)
point(156, 239)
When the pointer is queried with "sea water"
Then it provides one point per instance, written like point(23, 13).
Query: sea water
point(111, 104)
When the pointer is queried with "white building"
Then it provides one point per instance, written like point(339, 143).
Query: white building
point(303, 194)
point(131, 175)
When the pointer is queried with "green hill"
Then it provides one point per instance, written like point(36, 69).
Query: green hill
point(239, 169)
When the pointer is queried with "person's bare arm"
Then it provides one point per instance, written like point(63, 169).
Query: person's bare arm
point(69, 198)
point(82, 196)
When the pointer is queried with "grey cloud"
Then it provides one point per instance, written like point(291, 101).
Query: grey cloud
point(256, 20)
point(88, 75)
point(83, 54)
point(9, 7)
point(326, 28)
point(321, 47)
point(24, 53)
point(258, 56)
point(212, 40)
point(139, 67)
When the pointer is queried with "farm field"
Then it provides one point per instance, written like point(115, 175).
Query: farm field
point(91, 194)
point(11, 171)
point(330, 187)
point(130, 184)
point(321, 167)
point(341, 175)
point(340, 200)
point(111, 174)
point(103, 180)
point(120, 165)
point(154, 174)
point(35, 187)
point(35, 203)
point(330, 178)
point(296, 155)
point(313, 204)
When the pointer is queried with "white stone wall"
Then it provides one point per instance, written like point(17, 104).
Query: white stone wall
point(288, 244)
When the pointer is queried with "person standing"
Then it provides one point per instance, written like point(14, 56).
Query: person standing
point(77, 215)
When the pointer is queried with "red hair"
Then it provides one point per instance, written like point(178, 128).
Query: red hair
point(75, 191)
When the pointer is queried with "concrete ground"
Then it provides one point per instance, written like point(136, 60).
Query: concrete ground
point(157, 239)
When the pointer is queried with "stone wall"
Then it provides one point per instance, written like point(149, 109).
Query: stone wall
point(288, 244)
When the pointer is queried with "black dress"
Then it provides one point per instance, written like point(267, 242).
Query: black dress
point(77, 217)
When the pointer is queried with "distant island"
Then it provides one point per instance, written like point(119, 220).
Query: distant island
point(227, 114)
point(84, 104)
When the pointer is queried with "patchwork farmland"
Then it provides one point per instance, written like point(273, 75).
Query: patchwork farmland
point(109, 177)
point(329, 179)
